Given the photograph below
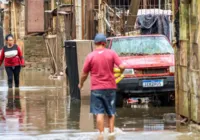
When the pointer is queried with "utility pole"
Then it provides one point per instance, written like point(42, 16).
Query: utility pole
point(52, 8)
point(78, 16)
point(115, 17)
point(57, 20)
point(109, 2)
point(133, 10)
point(144, 4)
point(101, 17)
point(159, 4)
point(57, 55)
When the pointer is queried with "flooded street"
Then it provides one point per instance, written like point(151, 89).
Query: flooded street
point(41, 110)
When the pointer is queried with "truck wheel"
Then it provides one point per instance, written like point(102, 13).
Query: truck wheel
point(119, 99)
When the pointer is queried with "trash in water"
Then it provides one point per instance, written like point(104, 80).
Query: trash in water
point(169, 118)
point(137, 102)
point(132, 100)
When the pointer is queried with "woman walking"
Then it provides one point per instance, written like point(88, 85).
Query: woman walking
point(12, 56)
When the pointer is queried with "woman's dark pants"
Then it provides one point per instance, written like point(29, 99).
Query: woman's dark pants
point(13, 71)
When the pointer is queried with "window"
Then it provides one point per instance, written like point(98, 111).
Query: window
point(142, 46)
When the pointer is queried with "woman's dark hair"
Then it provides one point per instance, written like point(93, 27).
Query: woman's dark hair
point(9, 35)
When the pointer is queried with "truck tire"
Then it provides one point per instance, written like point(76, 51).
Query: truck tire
point(119, 99)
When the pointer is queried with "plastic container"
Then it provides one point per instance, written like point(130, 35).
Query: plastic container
point(117, 70)
point(117, 80)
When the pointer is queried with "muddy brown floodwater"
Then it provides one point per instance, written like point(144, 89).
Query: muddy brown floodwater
point(41, 110)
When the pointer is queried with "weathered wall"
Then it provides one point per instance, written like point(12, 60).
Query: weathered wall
point(35, 52)
point(188, 62)
point(21, 22)
point(6, 21)
point(17, 17)
point(33, 47)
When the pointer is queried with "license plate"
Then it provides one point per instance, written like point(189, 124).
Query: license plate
point(153, 83)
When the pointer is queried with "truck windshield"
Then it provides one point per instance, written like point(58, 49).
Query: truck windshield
point(142, 46)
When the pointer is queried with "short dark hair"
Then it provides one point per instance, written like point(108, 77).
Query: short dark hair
point(9, 35)
point(100, 43)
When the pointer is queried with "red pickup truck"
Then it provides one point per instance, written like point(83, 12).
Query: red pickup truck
point(149, 67)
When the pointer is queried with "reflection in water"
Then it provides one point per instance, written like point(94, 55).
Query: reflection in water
point(74, 115)
point(140, 119)
point(48, 113)
point(14, 116)
point(3, 100)
point(11, 115)
point(45, 110)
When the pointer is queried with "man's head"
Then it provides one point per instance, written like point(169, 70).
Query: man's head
point(100, 40)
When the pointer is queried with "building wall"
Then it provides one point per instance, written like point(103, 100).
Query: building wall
point(6, 20)
point(33, 47)
point(21, 22)
point(35, 53)
point(188, 61)
point(17, 19)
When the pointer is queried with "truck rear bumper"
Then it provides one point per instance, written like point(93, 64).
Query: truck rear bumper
point(134, 86)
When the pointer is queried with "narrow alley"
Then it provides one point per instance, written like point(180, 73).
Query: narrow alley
point(70, 68)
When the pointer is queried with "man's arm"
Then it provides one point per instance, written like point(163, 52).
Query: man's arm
point(121, 67)
point(2, 56)
point(83, 78)
point(118, 62)
point(86, 70)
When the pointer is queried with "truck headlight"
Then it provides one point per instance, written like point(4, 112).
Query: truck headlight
point(172, 69)
point(129, 71)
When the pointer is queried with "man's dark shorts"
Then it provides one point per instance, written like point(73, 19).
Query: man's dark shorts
point(103, 101)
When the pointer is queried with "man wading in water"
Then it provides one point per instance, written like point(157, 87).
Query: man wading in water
point(100, 64)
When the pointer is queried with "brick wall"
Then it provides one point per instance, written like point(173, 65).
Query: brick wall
point(35, 53)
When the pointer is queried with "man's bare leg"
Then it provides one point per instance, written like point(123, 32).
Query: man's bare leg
point(100, 122)
point(106, 121)
point(111, 123)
